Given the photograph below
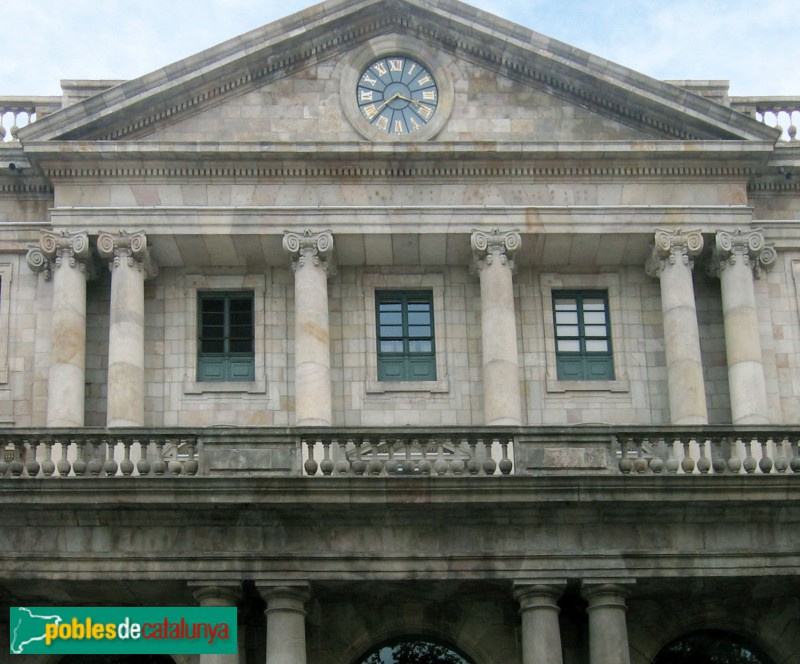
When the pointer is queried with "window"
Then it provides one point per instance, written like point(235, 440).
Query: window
point(226, 337)
point(583, 335)
point(405, 335)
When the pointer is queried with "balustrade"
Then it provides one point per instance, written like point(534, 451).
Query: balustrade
point(407, 454)
point(17, 112)
point(709, 452)
point(90, 455)
point(780, 112)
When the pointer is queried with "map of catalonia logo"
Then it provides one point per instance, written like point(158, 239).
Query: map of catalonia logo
point(122, 630)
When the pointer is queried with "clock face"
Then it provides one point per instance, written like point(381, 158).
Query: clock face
point(397, 95)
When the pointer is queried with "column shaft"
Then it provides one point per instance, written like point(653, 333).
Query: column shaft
point(69, 255)
point(502, 402)
point(313, 393)
point(129, 265)
point(286, 625)
point(219, 596)
point(541, 633)
point(737, 257)
point(671, 261)
point(608, 629)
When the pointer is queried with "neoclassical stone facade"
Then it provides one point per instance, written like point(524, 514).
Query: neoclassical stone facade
point(397, 323)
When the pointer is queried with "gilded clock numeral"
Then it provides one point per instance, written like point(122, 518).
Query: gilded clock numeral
point(424, 80)
point(368, 79)
point(411, 68)
point(395, 65)
point(380, 69)
point(425, 111)
point(429, 95)
point(414, 122)
point(382, 122)
point(365, 95)
point(370, 111)
point(398, 127)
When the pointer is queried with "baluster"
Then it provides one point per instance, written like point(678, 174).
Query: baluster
point(32, 466)
point(750, 463)
point(489, 464)
point(79, 465)
point(703, 463)
point(48, 467)
point(143, 465)
point(640, 463)
point(63, 465)
point(425, 466)
point(625, 464)
point(190, 466)
point(734, 462)
point(441, 465)
point(4, 457)
point(718, 463)
point(159, 466)
point(175, 466)
point(457, 464)
point(342, 462)
point(687, 462)
point(505, 465)
point(126, 465)
point(358, 464)
point(794, 463)
point(409, 467)
point(311, 466)
point(392, 465)
point(16, 466)
point(375, 465)
point(327, 463)
point(473, 467)
point(765, 462)
point(781, 462)
point(94, 466)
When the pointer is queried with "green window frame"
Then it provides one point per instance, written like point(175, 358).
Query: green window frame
point(226, 336)
point(405, 335)
point(583, 335)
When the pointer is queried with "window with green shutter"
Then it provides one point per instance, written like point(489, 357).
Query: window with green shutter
point(405, 335)
point(226, 343)
point(583, 335)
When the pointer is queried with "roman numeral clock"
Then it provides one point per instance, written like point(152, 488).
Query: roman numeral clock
point(397, 94)
point(396, 88)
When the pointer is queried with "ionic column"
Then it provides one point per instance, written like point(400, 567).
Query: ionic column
point(608, 629)
point(739, 257)
point(312, 262)
point(130, 265)
point(493, 260)
point(67, 258)
point(286, 623)
point(671, 261)
point(541, 634)
point(218, 596)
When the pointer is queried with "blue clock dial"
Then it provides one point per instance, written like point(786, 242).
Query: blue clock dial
point(397, 95)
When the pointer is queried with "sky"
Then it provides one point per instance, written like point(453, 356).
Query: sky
point(752, 44)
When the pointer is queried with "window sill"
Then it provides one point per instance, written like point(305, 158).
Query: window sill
point(561, 386)
point(225, 387)
point(384, 386)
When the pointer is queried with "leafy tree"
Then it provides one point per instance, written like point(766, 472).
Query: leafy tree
point(414, 652)
point(710, 647)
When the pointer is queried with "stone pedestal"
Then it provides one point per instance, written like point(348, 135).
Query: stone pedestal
point(493, 261)
point(739, 257)
point(541, 634)
point(672, 262)
point(67, 258)
point(312, 263)
point(608, 629)
point(286, 623)
point(130, 265)
point(219, 596)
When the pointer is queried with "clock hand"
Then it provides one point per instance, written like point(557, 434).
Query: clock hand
point(387, 101)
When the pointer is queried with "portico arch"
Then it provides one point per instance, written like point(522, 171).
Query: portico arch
point(116, 659)
point(712, 646)
point(413, 650)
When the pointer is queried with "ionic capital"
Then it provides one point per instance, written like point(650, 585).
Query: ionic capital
point(672, 247)
point(749, 247)
point(58, 249)
point(494, 247)
point(130, 248)
point(309, 248)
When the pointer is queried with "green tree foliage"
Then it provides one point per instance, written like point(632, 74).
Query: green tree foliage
point(414, 652)
point(710, 647)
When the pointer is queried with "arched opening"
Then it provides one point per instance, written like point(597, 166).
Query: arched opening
point(117, 659)
point(711, 647)
point(414, 650)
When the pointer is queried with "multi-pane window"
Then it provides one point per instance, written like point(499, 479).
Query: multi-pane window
point(226, 343)
point(583, 335)
point(405, 335)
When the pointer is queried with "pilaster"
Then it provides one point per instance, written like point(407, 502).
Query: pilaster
point(672, 261)
point(129, 262)
point(739, 257)
point(66, 258)
point(493, 260)
point(312, 261)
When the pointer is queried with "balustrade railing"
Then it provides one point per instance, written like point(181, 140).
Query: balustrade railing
point(96, 455)
point(399, 452)
point(17, 112)
point(780, 112)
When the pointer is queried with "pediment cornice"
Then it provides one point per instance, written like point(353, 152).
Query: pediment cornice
point(135, 108)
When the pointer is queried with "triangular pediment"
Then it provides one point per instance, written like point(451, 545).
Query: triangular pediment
point(240, 90)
